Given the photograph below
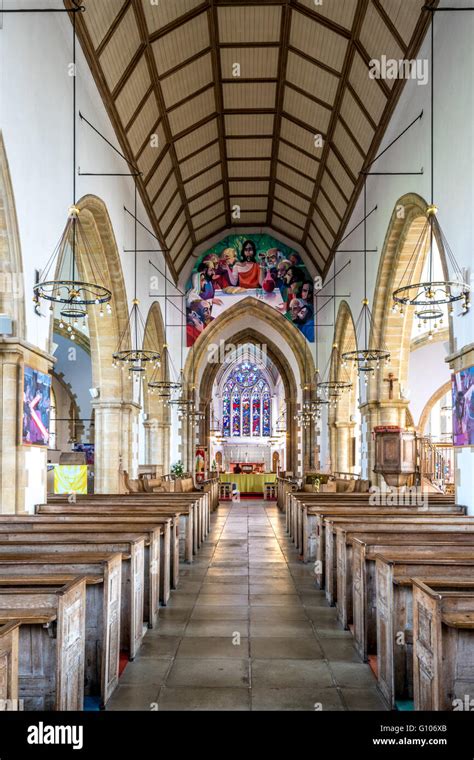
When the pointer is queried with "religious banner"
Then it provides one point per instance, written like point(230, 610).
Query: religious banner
point(256, 265)
point(70, 478)
point(36, 407)
point(463, 407)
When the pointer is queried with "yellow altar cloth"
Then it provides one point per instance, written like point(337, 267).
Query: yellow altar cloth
point(248, 483)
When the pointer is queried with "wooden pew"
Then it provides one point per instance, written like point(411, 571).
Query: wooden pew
point(103, 575)
point(297, 500)
point(169, 537)
point(97, 647)
point(356, 588)
point(305, 516)
point(9, 637)
point(184, 516)
point(394, 573)
point(101, 676)
point(51, 667)
point(443, 636)
point(154, 539)
point(376, 522)
point(195, 503)
point(133, 549)
point(313, 537)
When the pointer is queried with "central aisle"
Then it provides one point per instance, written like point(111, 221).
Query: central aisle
point(247, 630)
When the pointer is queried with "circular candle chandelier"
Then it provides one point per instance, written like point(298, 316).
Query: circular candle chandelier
point(366, 360)
point(335, 378)
point(310, 413)
point(432, 296)
point(60, 284)
point(166, 389)
point(130, 353)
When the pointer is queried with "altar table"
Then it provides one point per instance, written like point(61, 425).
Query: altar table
point(248, 482)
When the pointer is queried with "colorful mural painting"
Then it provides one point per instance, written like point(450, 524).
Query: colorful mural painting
point(240, 266)
point(463, 407)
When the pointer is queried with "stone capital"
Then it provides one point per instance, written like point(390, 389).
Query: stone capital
point(372, 406)
point(462, 358)
point(16, 350)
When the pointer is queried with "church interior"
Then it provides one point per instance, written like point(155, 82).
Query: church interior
point(236, 356)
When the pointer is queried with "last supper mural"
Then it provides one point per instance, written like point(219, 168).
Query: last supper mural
point(255, 265)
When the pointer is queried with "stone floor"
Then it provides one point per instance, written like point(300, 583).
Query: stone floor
point(247, 630)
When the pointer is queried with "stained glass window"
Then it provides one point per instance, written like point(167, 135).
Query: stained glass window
point(256, 403)
point(245, 413)
point(226, 411)
point(266, 412)
point(236, 412)
point(246, 403)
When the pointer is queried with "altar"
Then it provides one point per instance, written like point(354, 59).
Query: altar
point(252, 482)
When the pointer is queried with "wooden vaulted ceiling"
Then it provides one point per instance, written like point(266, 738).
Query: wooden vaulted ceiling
point(167, 69)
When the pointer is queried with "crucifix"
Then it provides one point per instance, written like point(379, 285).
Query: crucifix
point(390, 379)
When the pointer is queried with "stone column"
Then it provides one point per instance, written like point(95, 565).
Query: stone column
point(343, 435)
point(116, 444)
point(22, 468)
point(151, 441)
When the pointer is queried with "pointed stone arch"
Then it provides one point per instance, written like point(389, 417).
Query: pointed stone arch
point(157, 424)
point(287, 348)
point(342, 424)
point(425, 415)
point(115, 413)
point(392, 330)
point(12, 295)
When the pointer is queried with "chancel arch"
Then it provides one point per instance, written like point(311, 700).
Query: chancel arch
point(279, 339)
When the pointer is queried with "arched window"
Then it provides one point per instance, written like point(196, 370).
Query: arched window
point(246, 403)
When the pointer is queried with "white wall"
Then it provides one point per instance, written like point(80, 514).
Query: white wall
point(36, 121)
point(427, 372)
point(454, 186)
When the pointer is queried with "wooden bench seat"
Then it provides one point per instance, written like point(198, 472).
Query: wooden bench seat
point(443, 648)
point(305, 515)
point(50, 667)
point(394, 574)
point(313, 523)
point(169, 537)
point(356, 596)
point(132, 617)
point(9, 638)
point(365, 523)
point(102, 626)
point(155, 569)
point(188, 527)
point(296, 501)
point(103, 607)
point(196, 502)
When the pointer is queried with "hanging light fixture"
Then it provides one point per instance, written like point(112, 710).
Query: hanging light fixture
point(432, 296)
point(166, 389)
point(335, 381)
point(60, 283)
point(132, 355)
point(366, 360)
point(310, 412)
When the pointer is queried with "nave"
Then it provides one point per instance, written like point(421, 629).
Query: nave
point(247, 582)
